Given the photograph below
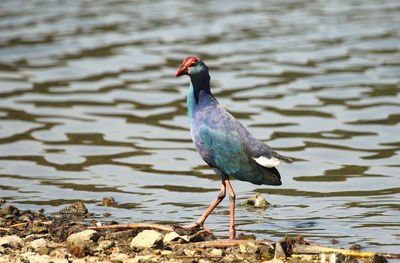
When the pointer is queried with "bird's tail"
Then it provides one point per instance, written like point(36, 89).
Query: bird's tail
point(281, 157)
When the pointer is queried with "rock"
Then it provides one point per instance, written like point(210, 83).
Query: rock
point(243, 236)
point(106, 244)
point(5, 259)
point(118, 257)
point(173, 236)
point(35, 258)
point(356, 247)
point(146, 258)
point(257, 201)
point(376, 259)
point(41, 246)
point(13, 242)
point(82, 243)
point(77, 208)
point(228, 259)
point(279, 252)
point(59, 253)
point(215, 252)
point(147, 239)
point(9, 210)
point(248, 248)
point(109, 201)
point(88, 260)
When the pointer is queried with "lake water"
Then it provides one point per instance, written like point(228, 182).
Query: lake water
point(90, 107)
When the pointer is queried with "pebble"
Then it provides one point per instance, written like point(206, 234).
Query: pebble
point(256, 201)
point(173, 236)
point(13, 242)
point(109, 201)
point(77, 209)
point(118, 257)
point(41, 246)
point(106, 244)
point(82, 243)
point(147, 239)
point(215, 252)
point(32, 257)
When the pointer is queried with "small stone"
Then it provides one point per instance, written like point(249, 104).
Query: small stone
point(5, 259)
point(356, 247)
point(249, 248)
point(229, 259)
point(82, 243)
point(77, 208)
point(9, 210)
point(336, 258)
point(59, 253)
point(118, 257)
point(145, 258)
point(41, 246)
point(106, 244)
point(13, 242)
point(215, 252)
point(256, 201)
point(189, 252)
point(35, 258)
point(166, 252)
point(243, 236)
point(173, 236)
point(87, 260)
point(106, 214)
point(147, 239)
point(279, 252)
point(109, 201)
point(376, 259)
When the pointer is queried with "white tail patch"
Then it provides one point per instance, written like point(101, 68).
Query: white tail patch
point(267, 162)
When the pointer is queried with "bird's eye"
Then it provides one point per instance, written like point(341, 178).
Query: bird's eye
point(192, 65)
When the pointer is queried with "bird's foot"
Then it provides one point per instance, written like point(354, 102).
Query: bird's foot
point(232, 232)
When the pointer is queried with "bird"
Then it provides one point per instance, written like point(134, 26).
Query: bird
point(224, 143)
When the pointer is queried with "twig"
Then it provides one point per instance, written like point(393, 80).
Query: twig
point(315, 249)
point(226, 243)
point(138, 225)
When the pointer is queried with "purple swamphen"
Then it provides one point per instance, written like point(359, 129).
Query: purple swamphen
point(223, 142)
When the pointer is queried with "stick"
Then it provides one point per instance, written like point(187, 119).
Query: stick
point(315, 249)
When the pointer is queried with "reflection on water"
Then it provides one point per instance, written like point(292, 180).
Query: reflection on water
point(90, 107)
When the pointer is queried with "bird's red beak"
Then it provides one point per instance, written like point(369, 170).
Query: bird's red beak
point(183, 70)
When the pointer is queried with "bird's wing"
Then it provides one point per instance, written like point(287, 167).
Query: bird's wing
point(224, 149)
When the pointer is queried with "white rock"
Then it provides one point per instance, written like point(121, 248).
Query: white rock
point(118, 257)
point(11, 241)
point(173, 236)
point(86, 235)
point(147, 239)
point(215, 253)
point(32, 257)
point(82, 243)
point(40, 245)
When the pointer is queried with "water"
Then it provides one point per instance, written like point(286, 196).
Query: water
point(90, 107)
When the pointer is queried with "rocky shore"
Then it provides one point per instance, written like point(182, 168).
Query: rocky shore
point(66, 237)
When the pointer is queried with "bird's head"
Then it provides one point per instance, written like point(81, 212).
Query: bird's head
point(191, 66)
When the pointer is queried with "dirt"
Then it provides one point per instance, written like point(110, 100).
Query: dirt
point(64, 237)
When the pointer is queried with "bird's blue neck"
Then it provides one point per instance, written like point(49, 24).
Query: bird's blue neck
point(199, 89)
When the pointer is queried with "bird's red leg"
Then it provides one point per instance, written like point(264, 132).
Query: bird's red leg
point(204, 216)
point(232, 197)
